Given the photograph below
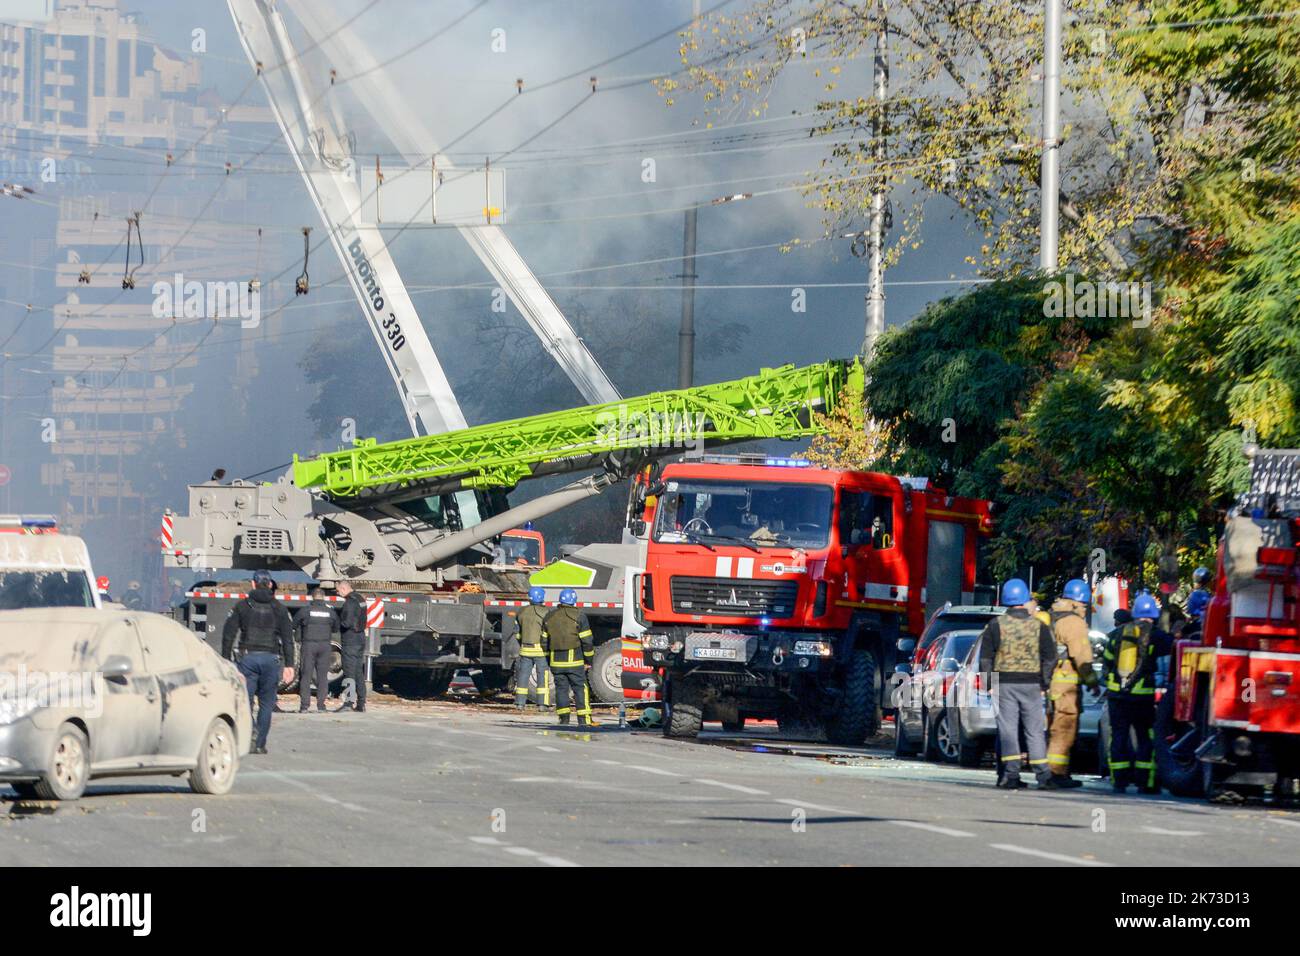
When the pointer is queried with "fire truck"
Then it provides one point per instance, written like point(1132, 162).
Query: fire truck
point(414, 524)
point(774, 589)
point(1230, 721)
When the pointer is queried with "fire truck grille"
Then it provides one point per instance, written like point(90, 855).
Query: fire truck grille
point(733, 597)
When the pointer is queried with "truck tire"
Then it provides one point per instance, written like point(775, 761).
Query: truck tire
point(606, 677)
point(685, 711)
point(218, 760)
point(1179, 770)
point(69, 766)
point(856, 717)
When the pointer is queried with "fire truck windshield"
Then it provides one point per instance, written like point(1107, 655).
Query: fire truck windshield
point(759, 514)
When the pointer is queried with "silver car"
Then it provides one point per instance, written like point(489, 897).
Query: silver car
point(975, 726)
point(88, 693)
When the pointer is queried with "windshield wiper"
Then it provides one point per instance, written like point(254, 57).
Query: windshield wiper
point(743, 542)
point(694, 538)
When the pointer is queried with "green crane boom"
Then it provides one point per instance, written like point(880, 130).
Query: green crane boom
point(776, 403)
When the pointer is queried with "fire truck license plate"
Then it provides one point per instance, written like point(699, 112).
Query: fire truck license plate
point(716, 653)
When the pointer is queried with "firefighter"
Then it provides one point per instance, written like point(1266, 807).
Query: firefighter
point(526, 629)
point(1019, 652)
point(1200, 597)
point(317, 626)
point(1132, 651)
point(566, 639)
point(259, 630)
point(352, 629)
point(133, 598)
point(1073, 666)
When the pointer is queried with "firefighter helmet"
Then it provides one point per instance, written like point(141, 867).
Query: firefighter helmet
point(537, 595)
point(1015, 592)
point(1145, 608)
point(569, 596)
point(1077, 590)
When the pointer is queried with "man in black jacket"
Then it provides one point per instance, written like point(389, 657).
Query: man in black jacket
point(317, 627)
point(352, 625)
point(260, 631)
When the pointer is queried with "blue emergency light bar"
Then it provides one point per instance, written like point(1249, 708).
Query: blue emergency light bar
point(788, 462)
point(36, 521)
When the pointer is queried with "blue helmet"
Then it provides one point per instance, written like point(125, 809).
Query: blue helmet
point(1077, 589)
point(261, 579)
point(1015, 592)
point(1145, 608)
point(569, 596)
point(537, 595)
point(1200, 576)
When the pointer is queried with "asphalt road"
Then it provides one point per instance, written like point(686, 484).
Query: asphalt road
point(449, 782)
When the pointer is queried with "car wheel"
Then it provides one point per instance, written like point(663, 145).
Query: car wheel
point(942, 739)
point(69, 766)
point(606, 677)
point(218, 760)
point(969, 752)
point(902, 746)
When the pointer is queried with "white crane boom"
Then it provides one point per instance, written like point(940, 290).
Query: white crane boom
point(322, 159)
point(389, 106)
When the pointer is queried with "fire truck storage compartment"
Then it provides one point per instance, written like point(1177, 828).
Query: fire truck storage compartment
point(945, 553)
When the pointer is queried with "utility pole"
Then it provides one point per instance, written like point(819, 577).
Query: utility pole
point(1050, 172)
point(686, 336)
point(876, 265)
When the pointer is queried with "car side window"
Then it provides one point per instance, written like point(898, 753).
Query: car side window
point(119, 639)
point(866, 519)
point(164, 645)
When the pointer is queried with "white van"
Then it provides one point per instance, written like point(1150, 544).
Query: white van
point(39, 567)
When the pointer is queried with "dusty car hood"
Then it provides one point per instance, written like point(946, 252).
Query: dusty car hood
point(52, 639)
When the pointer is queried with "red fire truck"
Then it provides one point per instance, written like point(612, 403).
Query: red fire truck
point(1230, 722)
point(773, 589)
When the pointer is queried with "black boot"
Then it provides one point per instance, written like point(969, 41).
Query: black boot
point(1065, 782)
point(1011, 781)
point(564, 719)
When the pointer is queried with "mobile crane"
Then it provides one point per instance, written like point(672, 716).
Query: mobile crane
point(409, 522)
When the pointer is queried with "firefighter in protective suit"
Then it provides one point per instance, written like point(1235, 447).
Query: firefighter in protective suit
point(1073, 667)
point(1130, 670)
point(526, 628)
point(566, 639)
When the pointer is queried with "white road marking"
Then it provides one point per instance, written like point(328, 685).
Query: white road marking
point(1289, 823)
point(732, 786)
point(534, 780)
point(323, 797)
point(1058, 857)
point(645, 769)
point(917, 825)
point(521, 851)
point(610, 763)
point(1161, 831)
point(486, 841)
point(556, 861)
point(549, 750)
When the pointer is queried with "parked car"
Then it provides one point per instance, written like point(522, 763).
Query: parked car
point(87, 693)
point(923, 721)
point(975, 727)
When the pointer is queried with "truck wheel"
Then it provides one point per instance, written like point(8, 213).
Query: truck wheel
point(218, 760)
point(335, 679)
point(69, 766)
point(289, 687)
point(440, 679)
point(856, 717)
point(685, 711)
point(606, 677)
point(1175, 752)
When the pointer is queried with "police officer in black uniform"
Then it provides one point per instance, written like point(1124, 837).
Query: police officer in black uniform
point(259, 631)
point(352, 625)
point(317, 625)
point(566, 638)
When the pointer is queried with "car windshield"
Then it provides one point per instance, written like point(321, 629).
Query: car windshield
point(21, 589)
point(763, 514)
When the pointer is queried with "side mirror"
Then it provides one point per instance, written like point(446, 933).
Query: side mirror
point(117, 668)
point(903, 669)
point(906, 646)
